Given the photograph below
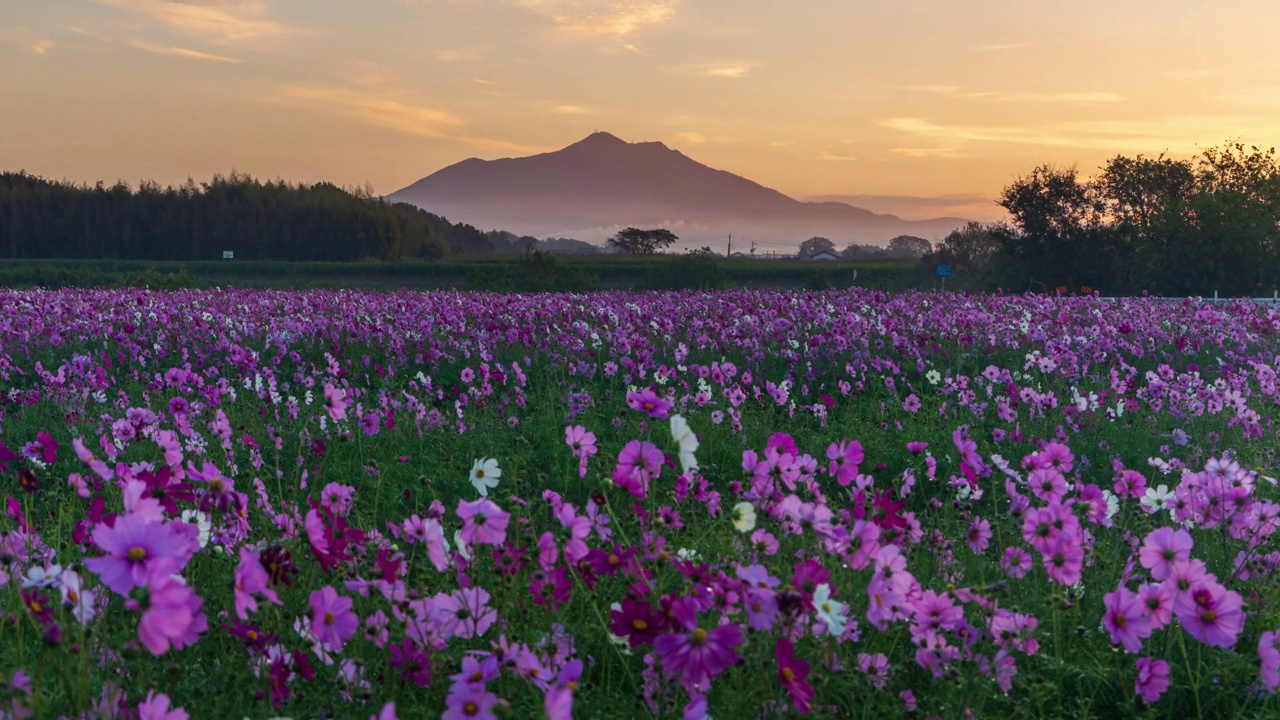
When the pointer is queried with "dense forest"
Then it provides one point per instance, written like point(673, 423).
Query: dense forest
point(1190, 227)
point(256, 220)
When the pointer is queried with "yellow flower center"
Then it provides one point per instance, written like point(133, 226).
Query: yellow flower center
point(788, 675)
point(480, 474)
point(699, 637)
point(36, 607)
point(470, 709)
point(252, 635)
point(328, 618)
point(137, 554)
point(639, 624)
point(614, 559)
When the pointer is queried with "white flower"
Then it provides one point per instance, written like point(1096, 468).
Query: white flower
point(933, 376)
point(462, 545)
point(1157, 498)
point(484, 475)
point(830, 611)
point(201, 521)
point(688, 442)
point(687, 554)
point(42, 577)
point(744, 517)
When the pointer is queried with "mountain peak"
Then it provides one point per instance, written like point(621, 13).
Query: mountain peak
point(601, 137)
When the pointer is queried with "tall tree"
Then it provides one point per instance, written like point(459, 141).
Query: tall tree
point(909, 246)
point(815, 245)
point(634, 241)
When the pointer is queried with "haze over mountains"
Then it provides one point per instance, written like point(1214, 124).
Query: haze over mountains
point(598, 185)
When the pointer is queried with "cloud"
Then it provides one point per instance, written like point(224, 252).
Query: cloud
point(574, 110)
point(827, 156)
point(1265, 97)
point(1082, 98)
point(974, 206)
point(465, 54)
point(949, 153)
point(730, 69)
point(179, 52)
point(41, 46)
point(221, 22)
point(603, 17)
point(389, 111)
point(691, 138)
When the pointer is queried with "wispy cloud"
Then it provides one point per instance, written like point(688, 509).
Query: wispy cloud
point(221, 22)
point(728, 69)
point(574, 110)
point(179, 52)
point(41, 46)
point(974, 206)
point(691, 138)
point(388, 111)
point(828, 156)
point(603, 17)
point(1081, 98)
point(949, 153)
point(463, 54)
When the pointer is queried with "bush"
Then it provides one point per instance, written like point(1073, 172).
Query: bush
point(536, 271)
point(694, 270)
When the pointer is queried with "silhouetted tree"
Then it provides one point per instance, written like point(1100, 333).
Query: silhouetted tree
point(815, 245)
point(634, 241)
point(909, 246)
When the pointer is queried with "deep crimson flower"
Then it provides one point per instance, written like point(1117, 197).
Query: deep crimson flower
point(415, 666)
point(885, 513)
point(637, 622)
point(792, 671)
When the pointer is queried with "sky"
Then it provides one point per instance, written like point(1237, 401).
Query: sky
point(922, 108)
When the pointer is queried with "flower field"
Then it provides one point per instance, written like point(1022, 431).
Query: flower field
point(737, 504)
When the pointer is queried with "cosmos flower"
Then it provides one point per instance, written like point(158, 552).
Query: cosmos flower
point(484, 475)
point(692, 654)
point(792, 671)
point(332, 620)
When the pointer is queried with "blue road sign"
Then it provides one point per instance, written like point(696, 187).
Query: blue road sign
point(942, 271)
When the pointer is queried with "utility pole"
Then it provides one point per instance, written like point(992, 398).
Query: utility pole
point(753, 247)
point(729, 251)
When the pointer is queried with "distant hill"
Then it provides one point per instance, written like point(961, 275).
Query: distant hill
point(600, 184)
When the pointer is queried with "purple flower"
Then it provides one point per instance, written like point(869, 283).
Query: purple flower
point(1125, 619)
point(697, 656)
point(1162, 549)
point(1152, 680)
point(332, 620)
point(133, 546)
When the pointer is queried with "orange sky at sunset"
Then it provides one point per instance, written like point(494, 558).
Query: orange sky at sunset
point(918, 108)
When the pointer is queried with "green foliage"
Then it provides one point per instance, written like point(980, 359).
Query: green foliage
point(1169, 227)
point(693, 270)
point(254, 219)
point(154, 280)
point(536, 271)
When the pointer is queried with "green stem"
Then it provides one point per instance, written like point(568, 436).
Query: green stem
point(1195, 676)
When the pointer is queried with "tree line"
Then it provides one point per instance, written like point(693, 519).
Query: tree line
point(1207, 224)
point(255, 220)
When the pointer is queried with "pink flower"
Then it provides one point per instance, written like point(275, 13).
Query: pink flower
point(1063, 560)
point(648, 402)
point(250, 579)
point(483, 522)
point(1162, 548)
point(845, 457)
point(792, 671)
point(388, 712)
point(332, 620)
point(466, 702)
point(465, 613)
point(583, 444)
point(156, 707)
point(979, 535)
point(1125, 619)
point(697, 656)
point(133, 546)
point(1211, 614)
point(335, 402)
point(1269, 656)
point(638, 464)
point(1153, 679)
point(170, 610)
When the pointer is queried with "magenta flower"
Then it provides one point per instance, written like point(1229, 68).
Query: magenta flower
point(697, 656)
point(466, 702)
point(844, 458)
point(1126, 619)
point(332, 620)
point(636, 621)
point(415, 666)
point(1064, 559)
point(156, 707)
point(979, 535)
point(1269, 656)
point(638, 464)
point(133, 546)
point(648, 402)
point(792, 671)
point(1211, 614)
point(251, 579)
point(1153, 679)
point(335, 402)
point(171, 613)
point(465, 613)
point(583, 444)
point(483, 522)
point(1162, 549)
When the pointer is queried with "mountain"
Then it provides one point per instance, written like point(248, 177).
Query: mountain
point(598, 185)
